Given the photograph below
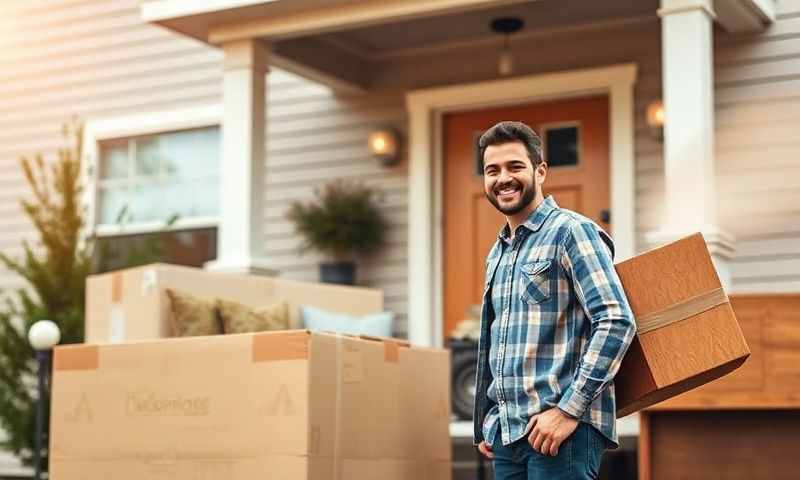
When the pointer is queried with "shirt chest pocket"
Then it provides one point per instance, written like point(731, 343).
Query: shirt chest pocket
point(534, 284)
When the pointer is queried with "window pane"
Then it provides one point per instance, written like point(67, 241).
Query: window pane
point(114, 159)
point(179, 199)
point(112, 201)
point(147, 202)
point(191, 153)
point(147, 156)
point(561, 146)
point(206, 196)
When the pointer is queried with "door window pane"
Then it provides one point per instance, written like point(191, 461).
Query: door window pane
point(562, 146)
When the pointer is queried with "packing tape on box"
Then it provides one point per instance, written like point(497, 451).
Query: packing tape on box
point(681, 311)
point(116, 287)
point(266, 347)
point(78, 357)
point(391, 346)
point(116, 314)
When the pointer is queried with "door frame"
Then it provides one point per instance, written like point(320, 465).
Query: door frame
point(426, 107)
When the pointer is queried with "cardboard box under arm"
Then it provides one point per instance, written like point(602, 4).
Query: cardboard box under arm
point(687, 333)
point(286, 405)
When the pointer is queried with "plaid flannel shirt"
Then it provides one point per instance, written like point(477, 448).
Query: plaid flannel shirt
point(555, 324)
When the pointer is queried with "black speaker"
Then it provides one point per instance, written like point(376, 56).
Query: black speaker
point(464, 369)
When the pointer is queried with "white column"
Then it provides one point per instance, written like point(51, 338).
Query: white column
point(423, 330)
point(688, 90)
point(240, 240)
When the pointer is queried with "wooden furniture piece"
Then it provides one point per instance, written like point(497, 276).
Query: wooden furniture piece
point(745, 425)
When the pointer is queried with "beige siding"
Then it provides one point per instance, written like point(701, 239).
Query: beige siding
point(318, 137)
point(758, 145)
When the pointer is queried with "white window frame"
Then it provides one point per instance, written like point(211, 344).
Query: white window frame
point(135, 125)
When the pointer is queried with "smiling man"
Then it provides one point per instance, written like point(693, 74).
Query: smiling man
point(555, 324)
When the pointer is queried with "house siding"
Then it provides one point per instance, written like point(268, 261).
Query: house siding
point(757, 95)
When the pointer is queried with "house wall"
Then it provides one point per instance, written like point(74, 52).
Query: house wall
point(757, 81)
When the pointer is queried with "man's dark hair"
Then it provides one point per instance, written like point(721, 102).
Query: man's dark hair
point(505, 132)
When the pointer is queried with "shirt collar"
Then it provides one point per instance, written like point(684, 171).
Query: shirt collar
point(534, 221)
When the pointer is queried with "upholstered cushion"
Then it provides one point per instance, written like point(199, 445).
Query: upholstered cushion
point(238, 318)
point(191, 316)
point(375, 324)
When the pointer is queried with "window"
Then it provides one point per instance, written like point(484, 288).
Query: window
point(154, 178)
point(562, 146)
point(154, 192)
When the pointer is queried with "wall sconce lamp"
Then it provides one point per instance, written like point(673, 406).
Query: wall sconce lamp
point(384, 146)
point(655, 119)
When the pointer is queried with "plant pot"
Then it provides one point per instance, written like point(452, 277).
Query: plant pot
point(343, 273)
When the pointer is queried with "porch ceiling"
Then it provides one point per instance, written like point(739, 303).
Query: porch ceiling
point(396, 38)
point(346, 43)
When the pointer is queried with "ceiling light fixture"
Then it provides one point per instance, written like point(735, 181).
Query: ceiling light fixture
point(506, 26)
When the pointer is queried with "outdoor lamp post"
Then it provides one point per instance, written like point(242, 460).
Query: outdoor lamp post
point(42, 336)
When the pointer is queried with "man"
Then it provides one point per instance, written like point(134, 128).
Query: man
point(555, 324)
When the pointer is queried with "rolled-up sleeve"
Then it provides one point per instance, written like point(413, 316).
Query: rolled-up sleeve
point(588, 261)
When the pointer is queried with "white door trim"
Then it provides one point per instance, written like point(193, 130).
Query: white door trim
point(426, 107)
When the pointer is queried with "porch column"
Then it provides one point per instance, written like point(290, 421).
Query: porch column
point(688, 90)
point(240, 242)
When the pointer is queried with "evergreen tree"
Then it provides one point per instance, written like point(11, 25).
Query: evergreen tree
point(54, 272)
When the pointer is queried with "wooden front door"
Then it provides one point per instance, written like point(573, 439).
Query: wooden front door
point(575, 140)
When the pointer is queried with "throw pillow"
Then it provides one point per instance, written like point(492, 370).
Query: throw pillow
point(238, 318)
point(192, 316)
point(375, 324)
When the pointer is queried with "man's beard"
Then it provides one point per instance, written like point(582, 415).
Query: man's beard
point(527, 195)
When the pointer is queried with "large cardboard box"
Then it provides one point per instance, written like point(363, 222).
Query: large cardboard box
point(280, 405)
point(131, 304)
point(687, 334)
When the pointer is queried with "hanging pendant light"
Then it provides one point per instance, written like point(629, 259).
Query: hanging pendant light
point(506, 26)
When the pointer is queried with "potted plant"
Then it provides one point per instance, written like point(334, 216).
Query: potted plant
point(343, 223)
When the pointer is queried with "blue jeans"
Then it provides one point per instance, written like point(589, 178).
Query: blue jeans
point(578, 458)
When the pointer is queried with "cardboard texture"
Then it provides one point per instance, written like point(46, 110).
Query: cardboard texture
point(319, 406)
point(131, 304)
point(688, 334)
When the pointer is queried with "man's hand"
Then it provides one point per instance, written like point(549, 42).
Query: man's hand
point(486, 450)
point(549, 429)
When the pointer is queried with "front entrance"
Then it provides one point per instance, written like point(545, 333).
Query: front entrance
point(575, 137)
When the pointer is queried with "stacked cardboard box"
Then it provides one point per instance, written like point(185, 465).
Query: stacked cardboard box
point(285, 405)
point(132, 304)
